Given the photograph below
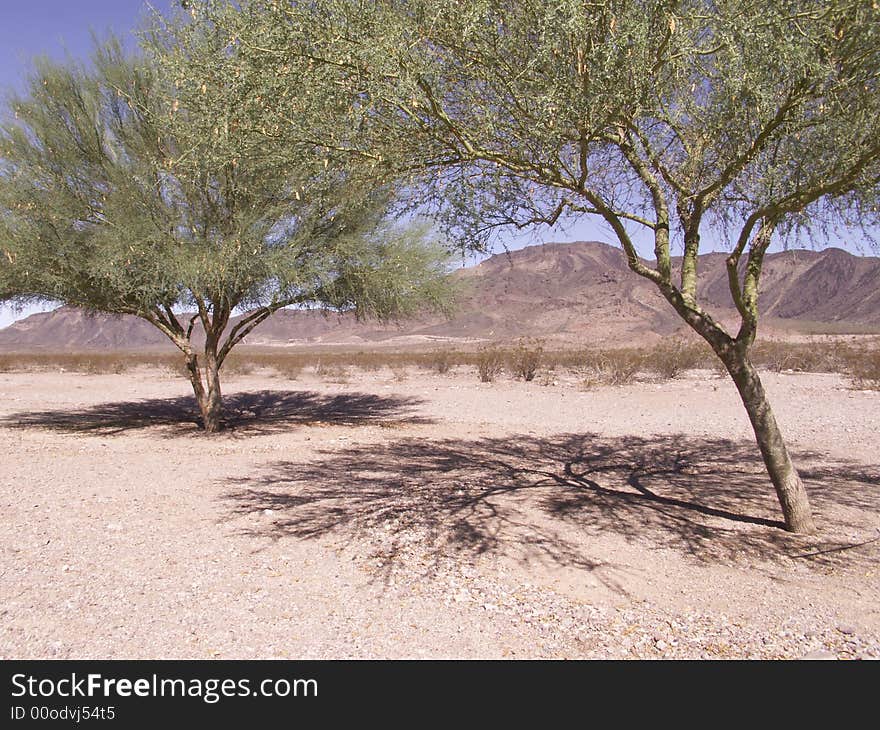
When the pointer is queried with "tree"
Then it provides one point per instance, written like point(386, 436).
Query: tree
point(754, 120)
point(109, 200)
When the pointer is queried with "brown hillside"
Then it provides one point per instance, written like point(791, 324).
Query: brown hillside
point(567, 293)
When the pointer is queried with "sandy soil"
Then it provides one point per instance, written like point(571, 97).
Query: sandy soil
point(431, 516)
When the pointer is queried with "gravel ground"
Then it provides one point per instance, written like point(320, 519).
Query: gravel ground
point(431, 516)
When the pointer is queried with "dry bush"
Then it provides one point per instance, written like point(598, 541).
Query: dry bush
point(810, 357)
point(675, 356)
point(238, 364)
point(490, 363)
point(571, 360)
point(93, 363)
point(442, 361)
point(864, 369)
point(526, 358)
point(775, 356)
point(332, 372)
point(369, 362)
point(284, 364)
point(176, 367)
point(288, 370)
point(612, 367)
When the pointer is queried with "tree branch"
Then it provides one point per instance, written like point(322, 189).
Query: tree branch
point(247, 324)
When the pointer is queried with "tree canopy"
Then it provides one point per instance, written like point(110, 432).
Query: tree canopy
point(110, 199)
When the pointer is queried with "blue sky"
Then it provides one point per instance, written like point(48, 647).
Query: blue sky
point(63, 28)
point(57, 28)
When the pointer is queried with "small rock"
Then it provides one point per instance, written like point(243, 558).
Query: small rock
point(846, 629)
point(820, 654)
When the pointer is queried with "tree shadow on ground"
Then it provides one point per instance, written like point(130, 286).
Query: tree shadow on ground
point(255, 413)
point(549, 498)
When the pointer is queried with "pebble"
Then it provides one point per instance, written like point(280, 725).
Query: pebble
point(819, 654)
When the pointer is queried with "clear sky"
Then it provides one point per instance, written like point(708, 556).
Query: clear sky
point(59, 29)
point(30, 28)
point(64, 28)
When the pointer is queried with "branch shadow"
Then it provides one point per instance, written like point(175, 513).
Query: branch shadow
point(550, 499)
point(250, 413)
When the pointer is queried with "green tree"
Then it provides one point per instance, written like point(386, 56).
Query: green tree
point(110, 200)
point(754, 120)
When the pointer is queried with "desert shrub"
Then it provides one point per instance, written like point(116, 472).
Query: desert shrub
point(442, 361)
point(288, 370)
point(675, 356)
point(572, 361)
point(809, 357)
point(238, 365)
point(369, 362)
point(98, 364)
point(526, 358)
point(332, 372)
point(490, 363)
point(176, 367)
point(613, 367)
point(775, 356)
point(864, 369)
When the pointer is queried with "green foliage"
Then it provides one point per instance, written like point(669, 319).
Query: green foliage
point(107, 207)
point(761, 117)
point(114, 196)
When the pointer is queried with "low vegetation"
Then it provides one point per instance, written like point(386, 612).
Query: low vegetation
point(865, 369)
point(526, 359)
point(521, 360)
point(490, 363)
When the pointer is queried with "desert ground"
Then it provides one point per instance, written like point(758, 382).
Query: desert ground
point(392, 514)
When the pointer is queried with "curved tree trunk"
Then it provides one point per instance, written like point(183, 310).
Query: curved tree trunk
point(789, 487)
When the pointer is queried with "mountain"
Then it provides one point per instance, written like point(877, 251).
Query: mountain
point(68, 328)
point(563, 292)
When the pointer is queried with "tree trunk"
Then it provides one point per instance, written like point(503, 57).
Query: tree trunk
point(210, 399)
point(212, 410)
point(789, 487)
